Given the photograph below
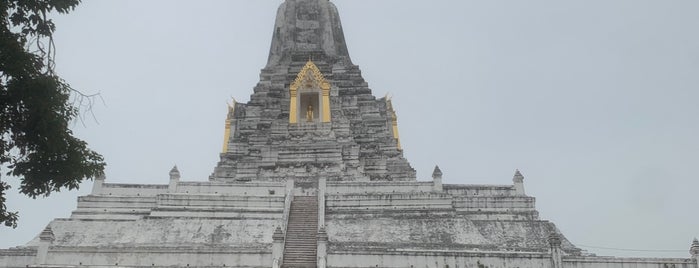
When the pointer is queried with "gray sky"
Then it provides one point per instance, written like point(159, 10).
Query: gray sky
point(594, 101)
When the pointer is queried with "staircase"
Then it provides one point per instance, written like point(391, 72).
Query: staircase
point(301, 243)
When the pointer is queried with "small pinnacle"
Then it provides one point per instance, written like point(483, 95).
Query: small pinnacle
point(554, 239)
point(322, 235)
point(47, 234)
point(278, 234)
point(518, 174)
point(437, 172)
point(174, 173)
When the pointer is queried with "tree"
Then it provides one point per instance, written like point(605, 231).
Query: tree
point(36, 107)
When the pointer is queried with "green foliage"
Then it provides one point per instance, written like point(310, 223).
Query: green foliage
point(36, 144)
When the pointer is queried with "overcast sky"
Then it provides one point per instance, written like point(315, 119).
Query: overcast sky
point(594, 101)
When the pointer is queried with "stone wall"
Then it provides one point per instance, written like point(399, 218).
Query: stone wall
point(616, 262)
point(439, 259)
point(252, 189)
point(17, 257)
point(475, 259)
point(160, 257)
point(379, 187)
point(132, 189)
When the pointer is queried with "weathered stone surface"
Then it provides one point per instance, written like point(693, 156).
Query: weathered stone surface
point(357, 145)
point(358, 203)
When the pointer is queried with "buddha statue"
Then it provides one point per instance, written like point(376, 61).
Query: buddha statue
point(309, 113)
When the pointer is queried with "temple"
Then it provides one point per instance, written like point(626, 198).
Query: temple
point(311, 174)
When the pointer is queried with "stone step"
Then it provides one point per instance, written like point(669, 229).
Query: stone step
point(296, 261)
point(300, 265)
point(301, 235)
point(300, 243)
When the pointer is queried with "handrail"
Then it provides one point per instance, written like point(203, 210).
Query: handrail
point(287, 210)
point(322, 237)
point(322, 184)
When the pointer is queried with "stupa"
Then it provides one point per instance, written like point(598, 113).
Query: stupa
point(311, 174)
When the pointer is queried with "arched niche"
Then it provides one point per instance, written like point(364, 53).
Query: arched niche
point(310, 96)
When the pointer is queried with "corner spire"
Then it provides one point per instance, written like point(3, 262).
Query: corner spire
point(518, 177)
point(518, 181)
point(437, 173)
point(437, 179)
point(174, 173)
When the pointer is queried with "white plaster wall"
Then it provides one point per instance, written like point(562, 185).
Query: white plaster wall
point(501, 215)
point(96, 201)
point(494, 203)
point(614, 262)
point(341, 188)
point(220, 201)
point(259, 189)
point(402, 231)
point(182, 257)
point(17, 258)
point(113, 207)
point(479, 190)
point(132, 189)
point(438, 260)
point(237, 214)
point(417, 259)
point(241, 232)
point(414, 200)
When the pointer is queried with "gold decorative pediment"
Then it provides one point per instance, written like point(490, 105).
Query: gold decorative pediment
point(310, 74)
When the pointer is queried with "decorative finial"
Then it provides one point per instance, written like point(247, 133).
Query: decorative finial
point(554, 240)
point(174, 173)
point(694, 249)
point(322, 235)
point(437, 173)
point(518, 178)
point(278, 234)
point(47, 235)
